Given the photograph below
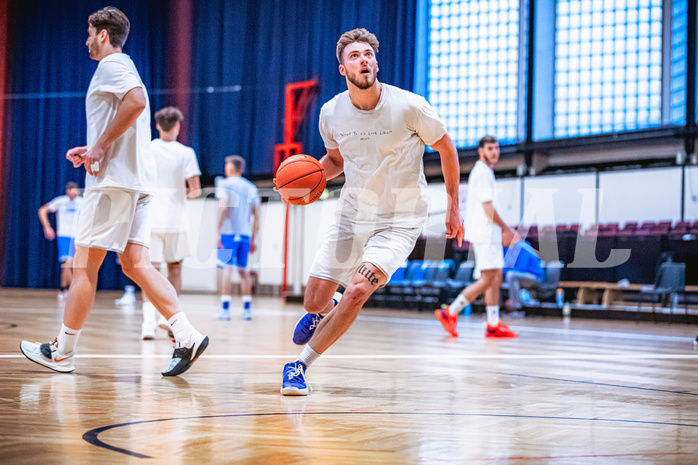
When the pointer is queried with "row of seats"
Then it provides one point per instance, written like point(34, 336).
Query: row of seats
point(421, 284)
point(426, 284)
point(648, 228)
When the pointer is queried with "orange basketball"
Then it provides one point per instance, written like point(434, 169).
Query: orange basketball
point(300, 180)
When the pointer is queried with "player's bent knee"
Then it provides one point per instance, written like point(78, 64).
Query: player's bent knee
point(358, 293)
point(313, 305)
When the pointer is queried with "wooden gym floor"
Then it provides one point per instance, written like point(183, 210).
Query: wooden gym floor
point(393, 390)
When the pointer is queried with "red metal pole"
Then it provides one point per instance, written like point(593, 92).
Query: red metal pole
point(284, 282)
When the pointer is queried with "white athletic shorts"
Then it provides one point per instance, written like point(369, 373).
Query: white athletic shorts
point(110, 218)
point(168, 247)
point(488, 255)
point(348, 245)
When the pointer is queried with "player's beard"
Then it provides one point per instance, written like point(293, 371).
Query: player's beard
point(362, 81)
point(93, 49)
point(492, 159)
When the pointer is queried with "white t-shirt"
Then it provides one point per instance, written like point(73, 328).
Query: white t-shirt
point(67, 212)
point(174, 164)
point(127, 163)
point(382, 150)
point(479, 227)
point(239, 196)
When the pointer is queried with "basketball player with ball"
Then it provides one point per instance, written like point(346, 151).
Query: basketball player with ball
point(374, 133)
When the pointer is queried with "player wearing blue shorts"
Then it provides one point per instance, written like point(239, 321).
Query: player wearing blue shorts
point(374, 133)
point(238, 224)
point(67, 209)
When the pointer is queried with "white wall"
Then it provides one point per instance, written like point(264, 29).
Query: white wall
point(436, 222)
point(640, 195)
point(199, 269)
point(508, 202)
point(268, 261)
point(567, 199)
point(691, 194)
point(316, 218)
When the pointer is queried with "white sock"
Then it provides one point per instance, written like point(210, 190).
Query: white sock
point(308, 355)
point(457, 305)
point(67, 339)
point(246, 301)
point(493, 315)
point(181, 327)
point(225, 302)
point(149, 313)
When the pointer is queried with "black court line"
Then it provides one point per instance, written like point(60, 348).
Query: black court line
point(599, 384)
point(92, 435)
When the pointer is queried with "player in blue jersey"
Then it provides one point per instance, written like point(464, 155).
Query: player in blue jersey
point(67, 209)
point(238, 224)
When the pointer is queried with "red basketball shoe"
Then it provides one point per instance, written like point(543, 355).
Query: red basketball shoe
point(501, 330)
point(448, 321)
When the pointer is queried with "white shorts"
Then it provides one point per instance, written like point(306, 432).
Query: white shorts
point(488, 255)
point(168, 247)
point(110, 218)
point(348, 245)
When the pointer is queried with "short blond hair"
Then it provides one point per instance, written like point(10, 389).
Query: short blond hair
point(356, 35)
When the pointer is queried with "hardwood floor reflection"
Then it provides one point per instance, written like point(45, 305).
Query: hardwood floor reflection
point(393, 390)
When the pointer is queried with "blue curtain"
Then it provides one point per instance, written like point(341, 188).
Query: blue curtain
point(244, 52)
point(50, 71)
point(247, 51)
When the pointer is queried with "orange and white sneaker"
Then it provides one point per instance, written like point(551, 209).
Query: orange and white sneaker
point(501, 330)
point(48, 356)
point(448, 321)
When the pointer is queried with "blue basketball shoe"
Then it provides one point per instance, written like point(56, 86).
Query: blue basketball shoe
point(306, 325)
point(294, 383)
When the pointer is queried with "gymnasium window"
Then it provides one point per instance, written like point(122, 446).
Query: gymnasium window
point(679, 33)
point(473, 68)
point(608, 66)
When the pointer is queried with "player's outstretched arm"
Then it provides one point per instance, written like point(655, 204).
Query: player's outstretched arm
point(130, 109)
point(451, 170)
point(254, 211)
point(49, 233)
point(332, 163)
point(222, 215)
point(193, 187)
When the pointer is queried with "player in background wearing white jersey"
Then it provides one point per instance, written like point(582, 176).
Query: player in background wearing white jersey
point(374, 133)
point(238, 225)
point(486, 231)
point(118, 186)
point(177, 179)
point(67, 210)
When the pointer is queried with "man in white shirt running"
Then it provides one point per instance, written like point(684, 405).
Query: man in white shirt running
point(486, 231)
point(374, 133)
point(238, 225)
point(67, 210)
point(118, 187)
point(177, 179)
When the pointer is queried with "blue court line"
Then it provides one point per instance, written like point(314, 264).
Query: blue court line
point(598, 384)
point(92, 435)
